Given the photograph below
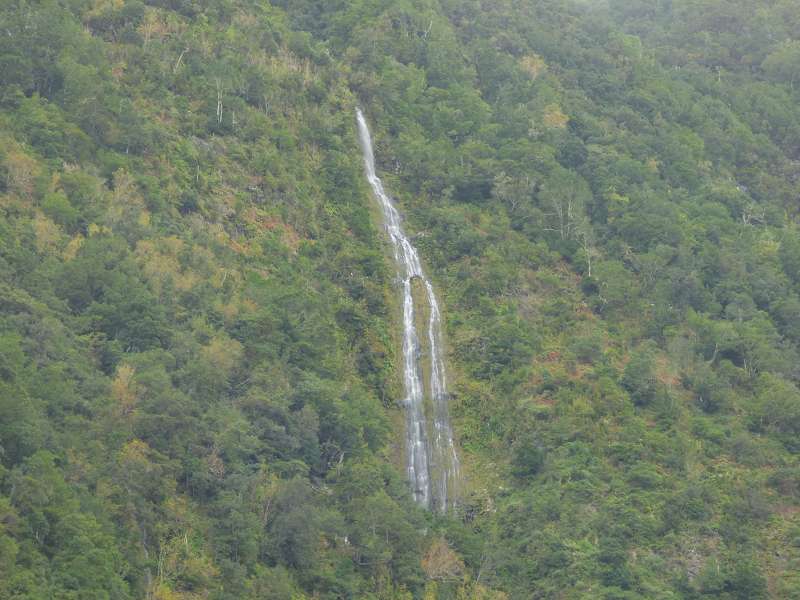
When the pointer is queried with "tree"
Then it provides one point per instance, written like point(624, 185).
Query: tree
point(777, 408)
point(639, 377)
point(782, 64)
point(21, 428)
point(441, 563)
point(563, 198)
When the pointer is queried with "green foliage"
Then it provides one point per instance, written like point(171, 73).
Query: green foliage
point(198, 384)
point(639, 377)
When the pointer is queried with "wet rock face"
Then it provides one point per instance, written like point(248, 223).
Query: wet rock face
point(431, 459)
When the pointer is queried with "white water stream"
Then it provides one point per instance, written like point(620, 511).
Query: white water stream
point(431, 460)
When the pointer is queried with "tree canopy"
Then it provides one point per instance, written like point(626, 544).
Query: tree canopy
point(199, 392)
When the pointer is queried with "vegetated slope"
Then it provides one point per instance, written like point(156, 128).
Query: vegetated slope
point(196, 356)
point(195, 348)
point(612, 220)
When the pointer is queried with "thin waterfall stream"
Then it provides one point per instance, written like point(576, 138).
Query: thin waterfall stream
point(431, 460)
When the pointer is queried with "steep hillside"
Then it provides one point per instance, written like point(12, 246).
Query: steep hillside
point(199, 345)
point(612, 221)
point(196, 347)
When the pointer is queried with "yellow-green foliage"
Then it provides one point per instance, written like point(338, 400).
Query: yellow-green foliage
point(198, 393)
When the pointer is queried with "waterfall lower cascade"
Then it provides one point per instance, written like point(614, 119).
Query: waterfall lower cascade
point(431, 459)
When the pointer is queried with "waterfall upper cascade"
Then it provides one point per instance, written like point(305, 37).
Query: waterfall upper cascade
point(431, 458)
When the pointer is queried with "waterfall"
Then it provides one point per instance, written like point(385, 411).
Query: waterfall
point(431, 459)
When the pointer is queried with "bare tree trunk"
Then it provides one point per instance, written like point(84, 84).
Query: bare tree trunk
point(219, 101)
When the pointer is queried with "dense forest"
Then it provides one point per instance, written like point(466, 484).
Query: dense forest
point(200, 394)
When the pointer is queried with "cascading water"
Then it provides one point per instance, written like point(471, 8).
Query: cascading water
point(431, 459)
